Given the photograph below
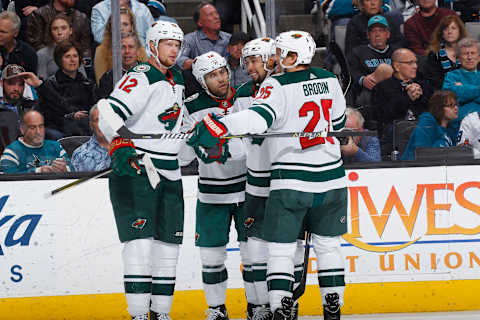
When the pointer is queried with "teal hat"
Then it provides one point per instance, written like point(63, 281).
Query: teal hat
point(378, 19)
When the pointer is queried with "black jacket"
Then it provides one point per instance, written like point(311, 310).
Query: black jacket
point(23, 55)
point(61, 95)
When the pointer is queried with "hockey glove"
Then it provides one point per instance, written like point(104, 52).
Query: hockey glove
point(124, 157)
point(208, 132)
point(218, 153)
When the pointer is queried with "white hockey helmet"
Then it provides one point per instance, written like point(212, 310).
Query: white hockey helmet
point(163, 30)
point(263, 47)
point(300, 42)
point(206, 63)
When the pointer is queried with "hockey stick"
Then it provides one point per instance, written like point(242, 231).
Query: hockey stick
point(126, 133)
point(300, 290)
point(78, 182)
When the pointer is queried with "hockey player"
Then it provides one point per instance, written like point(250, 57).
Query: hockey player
point(221, 185)
point(148, 98)
point(307, 178)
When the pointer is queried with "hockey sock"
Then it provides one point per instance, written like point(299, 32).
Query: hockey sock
point(247, 273)
point(331, 266)
point(137, 275)
point(214, 274)
point(164, 267)
point(299, 253)
point(280, 270)
point(258, 252)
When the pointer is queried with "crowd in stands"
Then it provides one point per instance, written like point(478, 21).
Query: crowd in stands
point(410, 63)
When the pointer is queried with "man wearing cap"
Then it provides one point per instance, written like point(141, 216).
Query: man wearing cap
point(13, 86)
point(371, 63)
point(158, 9)
point(239, 74)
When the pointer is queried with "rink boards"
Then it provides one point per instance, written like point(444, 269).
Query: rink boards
point(413, 245)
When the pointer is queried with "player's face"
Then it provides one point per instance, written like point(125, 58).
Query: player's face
point(372, 7)
point(378, 37)
point(60, 30)
point(218, 82)
point(450, 110)
point(13, 89)
point(167, 51)
point(451, 33)
point(129, 52)
point(70, 61)
point(33, 129)
point(255, 68)
point(469, 58)
point(125, 24)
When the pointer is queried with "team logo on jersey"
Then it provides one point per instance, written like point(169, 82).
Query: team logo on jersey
point(170, 116)
point(139, 223)
point(248, 222)
point(296, 35)
point(141, 68)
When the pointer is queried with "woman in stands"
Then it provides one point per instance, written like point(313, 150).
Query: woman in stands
point(103, 54)
point(435, 127)
point(66, 97)
point(442, 50)
point(60, 29)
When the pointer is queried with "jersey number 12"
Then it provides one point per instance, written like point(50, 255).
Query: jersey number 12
point(326, 105)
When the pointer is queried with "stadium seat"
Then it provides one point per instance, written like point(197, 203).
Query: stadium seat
point(72, 143)
point(473, 29)
point(402, 130)
point(340, 34)
point(9, 128)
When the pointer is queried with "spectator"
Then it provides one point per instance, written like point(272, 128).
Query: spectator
point(371, 63)
point(41, 19)
point(442, 56)
point(357, 27)
point(65, 97)
point(158, 9)
point(403, 96)
point(359, 149)
point(12, 50)
point(435, 127)
point(132, 52)
point(419, 28)
point(102, 11)
point(465, 82)
point(60, 29)
point(103, 54)
point(207, 38)
point(238, 73)
point(32, 153)
point(470, 131)
point(93, 154)
point(13, 88)
point(23, 9)
point(86, 6)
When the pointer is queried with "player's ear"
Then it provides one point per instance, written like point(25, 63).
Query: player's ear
point(153, 50)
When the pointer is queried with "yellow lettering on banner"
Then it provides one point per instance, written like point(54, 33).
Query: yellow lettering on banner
point(409, 260)
point(473, 256)
point(432, 207)
point(448, 262)
point(433, 261)
point(351, 260)
point(391, 263)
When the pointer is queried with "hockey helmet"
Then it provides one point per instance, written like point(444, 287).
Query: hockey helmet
point(300, 42)
point(163, 30)
point(206, 63)
point(263, 47)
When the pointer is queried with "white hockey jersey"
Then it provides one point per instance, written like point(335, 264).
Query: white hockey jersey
point(470, 132)
point(217, 183)
point(146, 101)
point(301, 101)
point(258, 161)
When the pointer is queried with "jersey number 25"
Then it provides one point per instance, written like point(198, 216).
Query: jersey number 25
point(326, 105)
